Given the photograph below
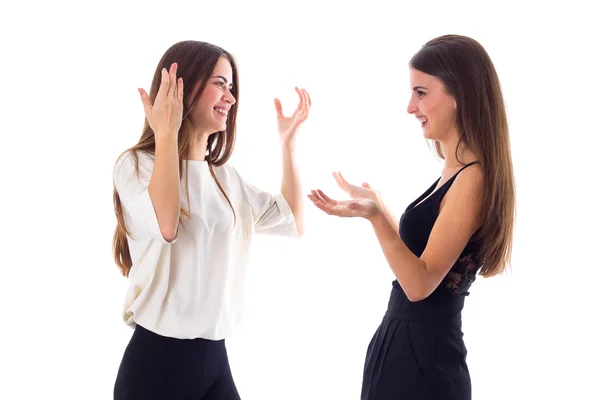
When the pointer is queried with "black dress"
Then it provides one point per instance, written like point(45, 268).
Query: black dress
point(418, 350)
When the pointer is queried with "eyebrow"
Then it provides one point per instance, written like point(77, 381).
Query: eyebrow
point(419, 87)
point(222, 77)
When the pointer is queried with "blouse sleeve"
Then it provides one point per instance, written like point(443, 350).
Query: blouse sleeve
point(132, 187)
point(271, 212)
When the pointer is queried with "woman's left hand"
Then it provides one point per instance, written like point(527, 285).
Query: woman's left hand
point(364, 208)
point(288, 126)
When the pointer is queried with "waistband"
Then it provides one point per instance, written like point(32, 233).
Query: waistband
point(439, 307)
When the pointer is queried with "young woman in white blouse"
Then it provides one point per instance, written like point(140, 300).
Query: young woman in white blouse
point(185, 223)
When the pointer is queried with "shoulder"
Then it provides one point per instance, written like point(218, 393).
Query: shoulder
point(230, 172)
point(133, 162)
point(465, 193)
point(470, 178)
point(131, 157)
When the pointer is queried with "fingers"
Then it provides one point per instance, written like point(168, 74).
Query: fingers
point(341, 209)
point(278, 108)
point(145, 102)
point(339, 180)
point(306, 103)
point(342, 179)
point(301, 100)
point(180, 90)
point(172, 92)
point(163, 89)
point(316, 197)
point(313, 198)
point(319, 203)
point(366, 185)
point(300, 103)
point(343, 184)
point(301, 111)
point(324, 198)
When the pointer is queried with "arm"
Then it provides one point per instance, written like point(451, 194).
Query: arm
point(458, 220)
point(164, 117)
point(288, 127)
point(164, 187)
point(387, 212)
point(291, 187)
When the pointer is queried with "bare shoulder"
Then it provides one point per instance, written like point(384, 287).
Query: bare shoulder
point(470, 179)
point(466, 191)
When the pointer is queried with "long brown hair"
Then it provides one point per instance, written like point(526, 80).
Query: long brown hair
point(468, 74)
point(195, 62)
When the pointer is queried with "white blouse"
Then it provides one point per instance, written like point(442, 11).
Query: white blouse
point(193, 287)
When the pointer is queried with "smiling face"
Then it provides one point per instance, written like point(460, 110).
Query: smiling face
point(209, 114)
point(432, 105)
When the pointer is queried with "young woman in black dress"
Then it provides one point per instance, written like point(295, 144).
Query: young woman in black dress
point(462, 225)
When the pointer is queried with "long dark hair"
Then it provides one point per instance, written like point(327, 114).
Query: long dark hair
point(195, 62)
point(468, 74)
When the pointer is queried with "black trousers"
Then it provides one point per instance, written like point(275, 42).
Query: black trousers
point(155, 367)
point(418, 353)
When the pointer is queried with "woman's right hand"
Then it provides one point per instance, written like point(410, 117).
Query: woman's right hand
point(356, 192)
point(165, 115)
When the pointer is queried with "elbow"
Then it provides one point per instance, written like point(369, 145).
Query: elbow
point(417, 294)
point(421, 287)
point(415, 297)
point(169, 233)
point(301, 228)
point(169, 238)
point(300, 225)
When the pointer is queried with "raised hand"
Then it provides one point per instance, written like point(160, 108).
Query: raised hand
point(164, 116)
point(356, 192)
point(359, 207)
point(288, 126)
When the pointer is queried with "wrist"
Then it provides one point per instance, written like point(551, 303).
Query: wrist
point(378, 199)
point(376, 216)
point(288, 146)
point(165, 138)
point(166, 145)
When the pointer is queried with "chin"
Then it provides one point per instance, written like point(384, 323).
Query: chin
point(219, 128)
point(430, 135)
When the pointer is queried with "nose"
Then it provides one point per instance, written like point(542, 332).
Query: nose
point(228, 96)
point(412, 107)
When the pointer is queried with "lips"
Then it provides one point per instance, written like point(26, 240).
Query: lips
point(222, 111)
point(423, 120)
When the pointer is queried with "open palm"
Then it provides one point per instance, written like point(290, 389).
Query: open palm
point(356, 192)
point(287, 126)
point(343, 208)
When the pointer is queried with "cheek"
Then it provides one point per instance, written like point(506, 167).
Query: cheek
point(440, 112)
point(448, 113)
point(209, 97)
point(425, 108)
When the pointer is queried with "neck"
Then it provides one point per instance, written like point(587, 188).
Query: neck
point(450, 154)
point(197, 149)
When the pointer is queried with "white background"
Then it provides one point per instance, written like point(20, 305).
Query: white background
point(69, 106)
